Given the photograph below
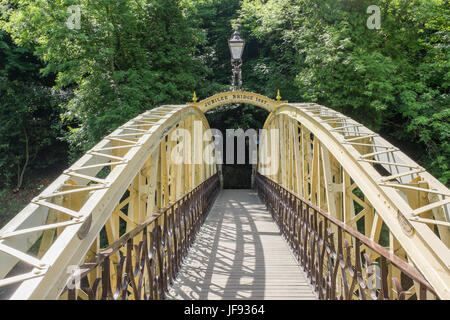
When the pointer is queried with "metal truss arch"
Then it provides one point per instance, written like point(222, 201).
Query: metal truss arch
point(128, 185)
point(115, 186)
point(340, 166)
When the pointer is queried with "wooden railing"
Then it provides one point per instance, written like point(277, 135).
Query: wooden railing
point(340, 262)
point(147, 259)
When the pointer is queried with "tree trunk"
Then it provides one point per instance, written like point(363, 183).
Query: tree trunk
point(27, 159)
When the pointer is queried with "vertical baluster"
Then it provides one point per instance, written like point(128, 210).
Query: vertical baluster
point(144, 263)
point(320, 253)
point(106, 285)
point(329, 242)
point(312, 246)
point(72, 294)
point(306, 241)
point(292, 221)
point(160, 277)
point(185, 224)
point(152, 265)
point(358, 270)
point(138, 269)
point(335, 259)
point(343, 264)
point(422, 292)
point(167, 252)
point(297, 229)
point(300, 234)
point(384, 293)
point(175, 240)
point(129, 267)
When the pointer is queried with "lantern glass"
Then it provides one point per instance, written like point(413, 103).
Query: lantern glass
point(236, 45)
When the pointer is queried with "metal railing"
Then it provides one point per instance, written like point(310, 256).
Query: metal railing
point(340, 262)
point(147, 259)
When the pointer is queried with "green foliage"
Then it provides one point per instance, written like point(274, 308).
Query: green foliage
point(132, 55)
point(395, 80)
point(213, 20)
point(28, 114)
point(127, 57)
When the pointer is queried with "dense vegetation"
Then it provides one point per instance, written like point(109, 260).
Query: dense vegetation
point(394, 80)
point(62, 90)
point(29, 115)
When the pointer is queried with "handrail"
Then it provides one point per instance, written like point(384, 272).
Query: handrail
point(149, 259)
point(308, 230)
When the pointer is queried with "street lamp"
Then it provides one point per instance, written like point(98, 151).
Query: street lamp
point(236, 45)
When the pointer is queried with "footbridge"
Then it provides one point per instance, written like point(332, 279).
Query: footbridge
point(337, 212)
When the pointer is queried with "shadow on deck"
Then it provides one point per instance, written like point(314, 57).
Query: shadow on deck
point(240, 254)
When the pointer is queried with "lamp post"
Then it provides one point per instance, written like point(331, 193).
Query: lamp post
point(236, 45)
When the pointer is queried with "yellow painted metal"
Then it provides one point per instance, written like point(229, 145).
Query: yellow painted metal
point(324, 157)
point(126, 198)
point(355, 191)
point(195, 99)
point(233, 97)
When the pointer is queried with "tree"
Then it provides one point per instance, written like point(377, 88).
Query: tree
point(128, 56)
point(395, 80)
point(28, 112)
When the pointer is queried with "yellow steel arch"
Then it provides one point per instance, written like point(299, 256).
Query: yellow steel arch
point(329, 160)
point(69, 215)
point(410, 201)
point(325, 158)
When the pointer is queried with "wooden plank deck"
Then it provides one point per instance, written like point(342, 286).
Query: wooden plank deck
point(239, 254)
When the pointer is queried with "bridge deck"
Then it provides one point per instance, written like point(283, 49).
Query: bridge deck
point(239, 254)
